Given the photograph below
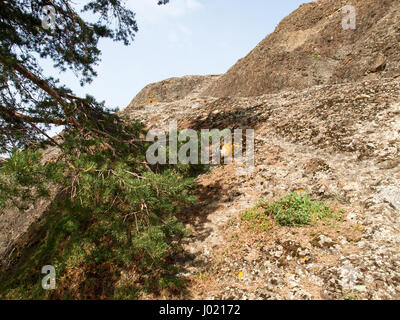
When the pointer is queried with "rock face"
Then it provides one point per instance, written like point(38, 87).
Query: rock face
point(339, 143)
point(325, 106)
point(172, 89)
point(310, 47)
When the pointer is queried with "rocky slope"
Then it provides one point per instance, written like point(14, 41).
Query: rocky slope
point(325, 104)
point(310, 47)
point(339, 143)
point(172, 89)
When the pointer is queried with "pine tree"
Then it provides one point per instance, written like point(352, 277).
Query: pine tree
point(29, 101)
point(109, 200)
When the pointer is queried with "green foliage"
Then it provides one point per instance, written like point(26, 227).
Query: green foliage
point(296, 209)
point(31, 101)
point(113, 212)
point(293, 209)
point(256, 219)
point(18, 175)
point(351, 295)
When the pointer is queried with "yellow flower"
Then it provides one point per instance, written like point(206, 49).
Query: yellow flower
point(304, 260)
point(300, 191)
point(228, 148)
point(240, 275)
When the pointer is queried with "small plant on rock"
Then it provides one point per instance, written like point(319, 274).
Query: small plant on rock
point(296, 209)
point(293, 209)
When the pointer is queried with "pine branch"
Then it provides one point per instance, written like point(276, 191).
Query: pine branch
point(30, 119)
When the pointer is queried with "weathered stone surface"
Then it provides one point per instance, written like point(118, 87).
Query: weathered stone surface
point(339, 143)
point(172, 89)
point(310, 47)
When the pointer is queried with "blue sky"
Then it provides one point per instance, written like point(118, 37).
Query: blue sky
point(185, 37)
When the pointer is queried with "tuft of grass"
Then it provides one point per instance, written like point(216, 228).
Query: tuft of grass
point(296, 209)
point(351, 295)
point(293, 209)
point(256, 219)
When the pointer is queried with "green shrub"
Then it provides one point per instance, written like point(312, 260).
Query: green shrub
point(256, 219)
point(296, 209)
point(114, 213)
point(293, 209)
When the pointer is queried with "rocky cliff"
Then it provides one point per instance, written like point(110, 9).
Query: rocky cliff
point(310, 47)
point(172, 89)
point(325, 105)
